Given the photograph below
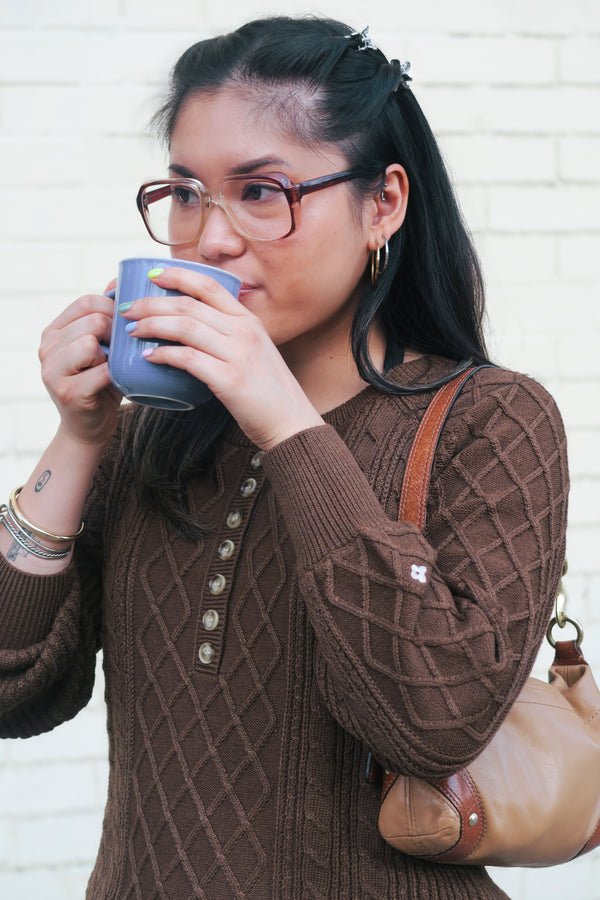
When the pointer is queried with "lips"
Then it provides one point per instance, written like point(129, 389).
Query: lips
point(246, 289)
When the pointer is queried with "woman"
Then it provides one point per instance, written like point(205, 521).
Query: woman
point(265, 620)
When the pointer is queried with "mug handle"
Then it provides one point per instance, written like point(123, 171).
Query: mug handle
point(110, 294)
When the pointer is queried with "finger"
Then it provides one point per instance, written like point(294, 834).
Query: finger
point(96, 324)
point(84, 388)
point(206, 367)
point(89, 303)
point(183, 330)
point(200, 286)
point(77, 356)
point(183, 307)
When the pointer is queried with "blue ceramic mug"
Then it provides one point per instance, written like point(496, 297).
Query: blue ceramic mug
point(162, 386)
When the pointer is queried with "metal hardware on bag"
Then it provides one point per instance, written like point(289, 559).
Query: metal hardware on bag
point(577, 625)
point(560, 604)
point(560, 617)
point(473, 820)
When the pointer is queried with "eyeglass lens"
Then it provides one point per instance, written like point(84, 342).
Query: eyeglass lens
point(257, 209)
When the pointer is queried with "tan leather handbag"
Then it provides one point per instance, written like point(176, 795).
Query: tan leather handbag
point(532, 797)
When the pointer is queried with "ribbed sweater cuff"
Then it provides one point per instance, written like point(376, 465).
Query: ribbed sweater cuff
point(28, 604)
point(324, 495)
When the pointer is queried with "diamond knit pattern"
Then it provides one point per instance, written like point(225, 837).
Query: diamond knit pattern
point(248, 673)
point(203, 734)
point(445, 653)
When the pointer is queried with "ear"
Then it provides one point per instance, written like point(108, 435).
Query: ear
point(389, 207)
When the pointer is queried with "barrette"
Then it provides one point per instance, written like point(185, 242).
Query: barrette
point(403, 70)
point(361, 39)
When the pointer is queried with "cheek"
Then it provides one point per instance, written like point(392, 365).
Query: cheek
point(322, 259)
point(290, 266)
point(348, 260)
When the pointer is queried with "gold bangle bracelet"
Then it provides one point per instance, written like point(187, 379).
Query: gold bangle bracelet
point(24, 521)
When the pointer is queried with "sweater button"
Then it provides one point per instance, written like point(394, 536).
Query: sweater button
point(234, 519)
point(217, 583)
point(210, 619)
point(206, 653)
point(256, 461)
point(248, 487)
point(226, 549)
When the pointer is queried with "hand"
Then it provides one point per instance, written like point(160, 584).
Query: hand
point(223, 344)
point(75, 371)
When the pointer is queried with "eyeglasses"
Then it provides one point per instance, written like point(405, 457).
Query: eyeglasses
point(259, 207)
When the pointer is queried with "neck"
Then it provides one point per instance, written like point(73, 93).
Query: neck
point(327, 372)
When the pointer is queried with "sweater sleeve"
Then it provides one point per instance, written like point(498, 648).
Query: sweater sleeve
point(424, 640)
point(50, 630)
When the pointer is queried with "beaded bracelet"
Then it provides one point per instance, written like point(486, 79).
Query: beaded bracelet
point(35, 529)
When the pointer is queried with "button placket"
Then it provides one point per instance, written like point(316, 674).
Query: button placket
point(211, 624)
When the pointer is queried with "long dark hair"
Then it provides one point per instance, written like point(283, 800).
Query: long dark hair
point(324, 89)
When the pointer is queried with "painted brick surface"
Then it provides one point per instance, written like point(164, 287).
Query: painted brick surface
point(512, 89)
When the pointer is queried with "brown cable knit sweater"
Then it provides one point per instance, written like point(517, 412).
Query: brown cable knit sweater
point(247, 674)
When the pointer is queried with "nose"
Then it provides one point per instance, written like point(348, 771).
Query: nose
point(219, 237)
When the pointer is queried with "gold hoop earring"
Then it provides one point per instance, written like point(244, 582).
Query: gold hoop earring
point(379, 265)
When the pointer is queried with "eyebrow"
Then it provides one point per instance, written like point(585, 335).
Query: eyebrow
point(243, 169)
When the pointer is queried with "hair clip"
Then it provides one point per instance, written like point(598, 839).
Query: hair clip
point(361, 40)
point(402, 70)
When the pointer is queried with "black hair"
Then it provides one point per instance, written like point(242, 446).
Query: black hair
point(322, 89)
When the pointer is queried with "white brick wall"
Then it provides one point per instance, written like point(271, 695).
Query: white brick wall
point(513, 91)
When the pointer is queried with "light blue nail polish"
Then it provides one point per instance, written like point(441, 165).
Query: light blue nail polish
point(130, 326)
point(123, 307)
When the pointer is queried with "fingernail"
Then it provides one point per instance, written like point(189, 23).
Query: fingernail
point(154, 273)
point(148, 353)
point(131, 326)
point(123, 307)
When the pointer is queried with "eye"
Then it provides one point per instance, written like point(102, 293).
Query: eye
point(259, 192)
point(184, 196)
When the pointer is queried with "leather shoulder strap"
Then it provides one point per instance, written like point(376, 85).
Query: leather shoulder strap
point(415, 486)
